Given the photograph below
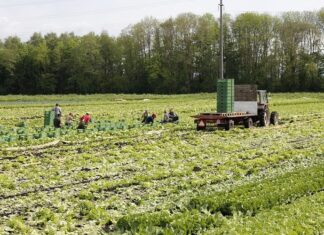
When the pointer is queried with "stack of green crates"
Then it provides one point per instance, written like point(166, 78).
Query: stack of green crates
point(49, 118)
point(225, 96)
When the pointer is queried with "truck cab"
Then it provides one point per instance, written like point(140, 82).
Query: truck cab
point(265, 118)
point(262, 97)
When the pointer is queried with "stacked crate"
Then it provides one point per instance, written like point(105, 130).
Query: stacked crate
point(225, 96)
point(246, 92)
point(49, 118)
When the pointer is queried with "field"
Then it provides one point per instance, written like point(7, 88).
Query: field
point(162, 179)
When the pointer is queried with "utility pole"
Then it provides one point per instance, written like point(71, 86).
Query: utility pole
point(221, 42)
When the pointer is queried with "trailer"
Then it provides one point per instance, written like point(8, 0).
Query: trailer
point(258, 115)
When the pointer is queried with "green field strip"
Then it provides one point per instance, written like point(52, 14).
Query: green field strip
point(244, 199)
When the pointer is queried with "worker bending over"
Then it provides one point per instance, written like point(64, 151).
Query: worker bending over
point(170, 116)
point(173, 117)
point(84, 121)
point(150, 119)
point(69, 120)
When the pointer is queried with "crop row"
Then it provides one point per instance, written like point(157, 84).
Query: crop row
point(304, 216)
point(233, 162)
point(203, 212)
point(135, 190)
point(261, 159)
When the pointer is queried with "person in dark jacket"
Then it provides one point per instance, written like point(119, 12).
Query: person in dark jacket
point(150, 119)
point(57, 121)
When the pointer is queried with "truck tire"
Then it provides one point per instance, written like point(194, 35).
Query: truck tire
point(229, 125)
point(248, 123)
point(274, 118)
point(264, 118)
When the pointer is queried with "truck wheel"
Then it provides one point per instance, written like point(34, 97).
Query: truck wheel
point(229, 125)
point(264, 118)
point(274, 118)
point(248, 123)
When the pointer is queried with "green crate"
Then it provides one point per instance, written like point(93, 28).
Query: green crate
point(225, 81)
point(225, 96)
point(49, 118)
point(225, 100)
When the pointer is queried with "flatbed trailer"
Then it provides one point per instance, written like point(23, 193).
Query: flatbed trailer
point(225, 120)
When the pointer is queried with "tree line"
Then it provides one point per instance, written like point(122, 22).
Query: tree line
point(177, 55)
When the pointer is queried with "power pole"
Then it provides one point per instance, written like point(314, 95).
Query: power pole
point(221, 42)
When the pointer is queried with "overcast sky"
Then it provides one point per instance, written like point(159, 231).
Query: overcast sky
point(24, 17)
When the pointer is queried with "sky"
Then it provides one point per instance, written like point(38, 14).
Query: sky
point(24, 17)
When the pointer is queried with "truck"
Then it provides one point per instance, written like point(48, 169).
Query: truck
point(246, 112)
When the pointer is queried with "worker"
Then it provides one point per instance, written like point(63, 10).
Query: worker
point(84, 121)
point(166, 118)
point(150, 119)
point(69, 120)
point(144, 116)
point(173, 117)
point(57, 121)
point(57, 110)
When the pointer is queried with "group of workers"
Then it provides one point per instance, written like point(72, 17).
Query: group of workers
point(168, 117)
point(69, 119)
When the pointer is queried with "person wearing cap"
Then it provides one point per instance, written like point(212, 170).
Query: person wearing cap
point(84, 121)
point(57, 110)
point(150, 119)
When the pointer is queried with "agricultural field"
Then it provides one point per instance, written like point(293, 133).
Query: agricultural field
point(119, 177)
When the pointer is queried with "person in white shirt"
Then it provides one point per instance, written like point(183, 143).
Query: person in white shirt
point(57, 110)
